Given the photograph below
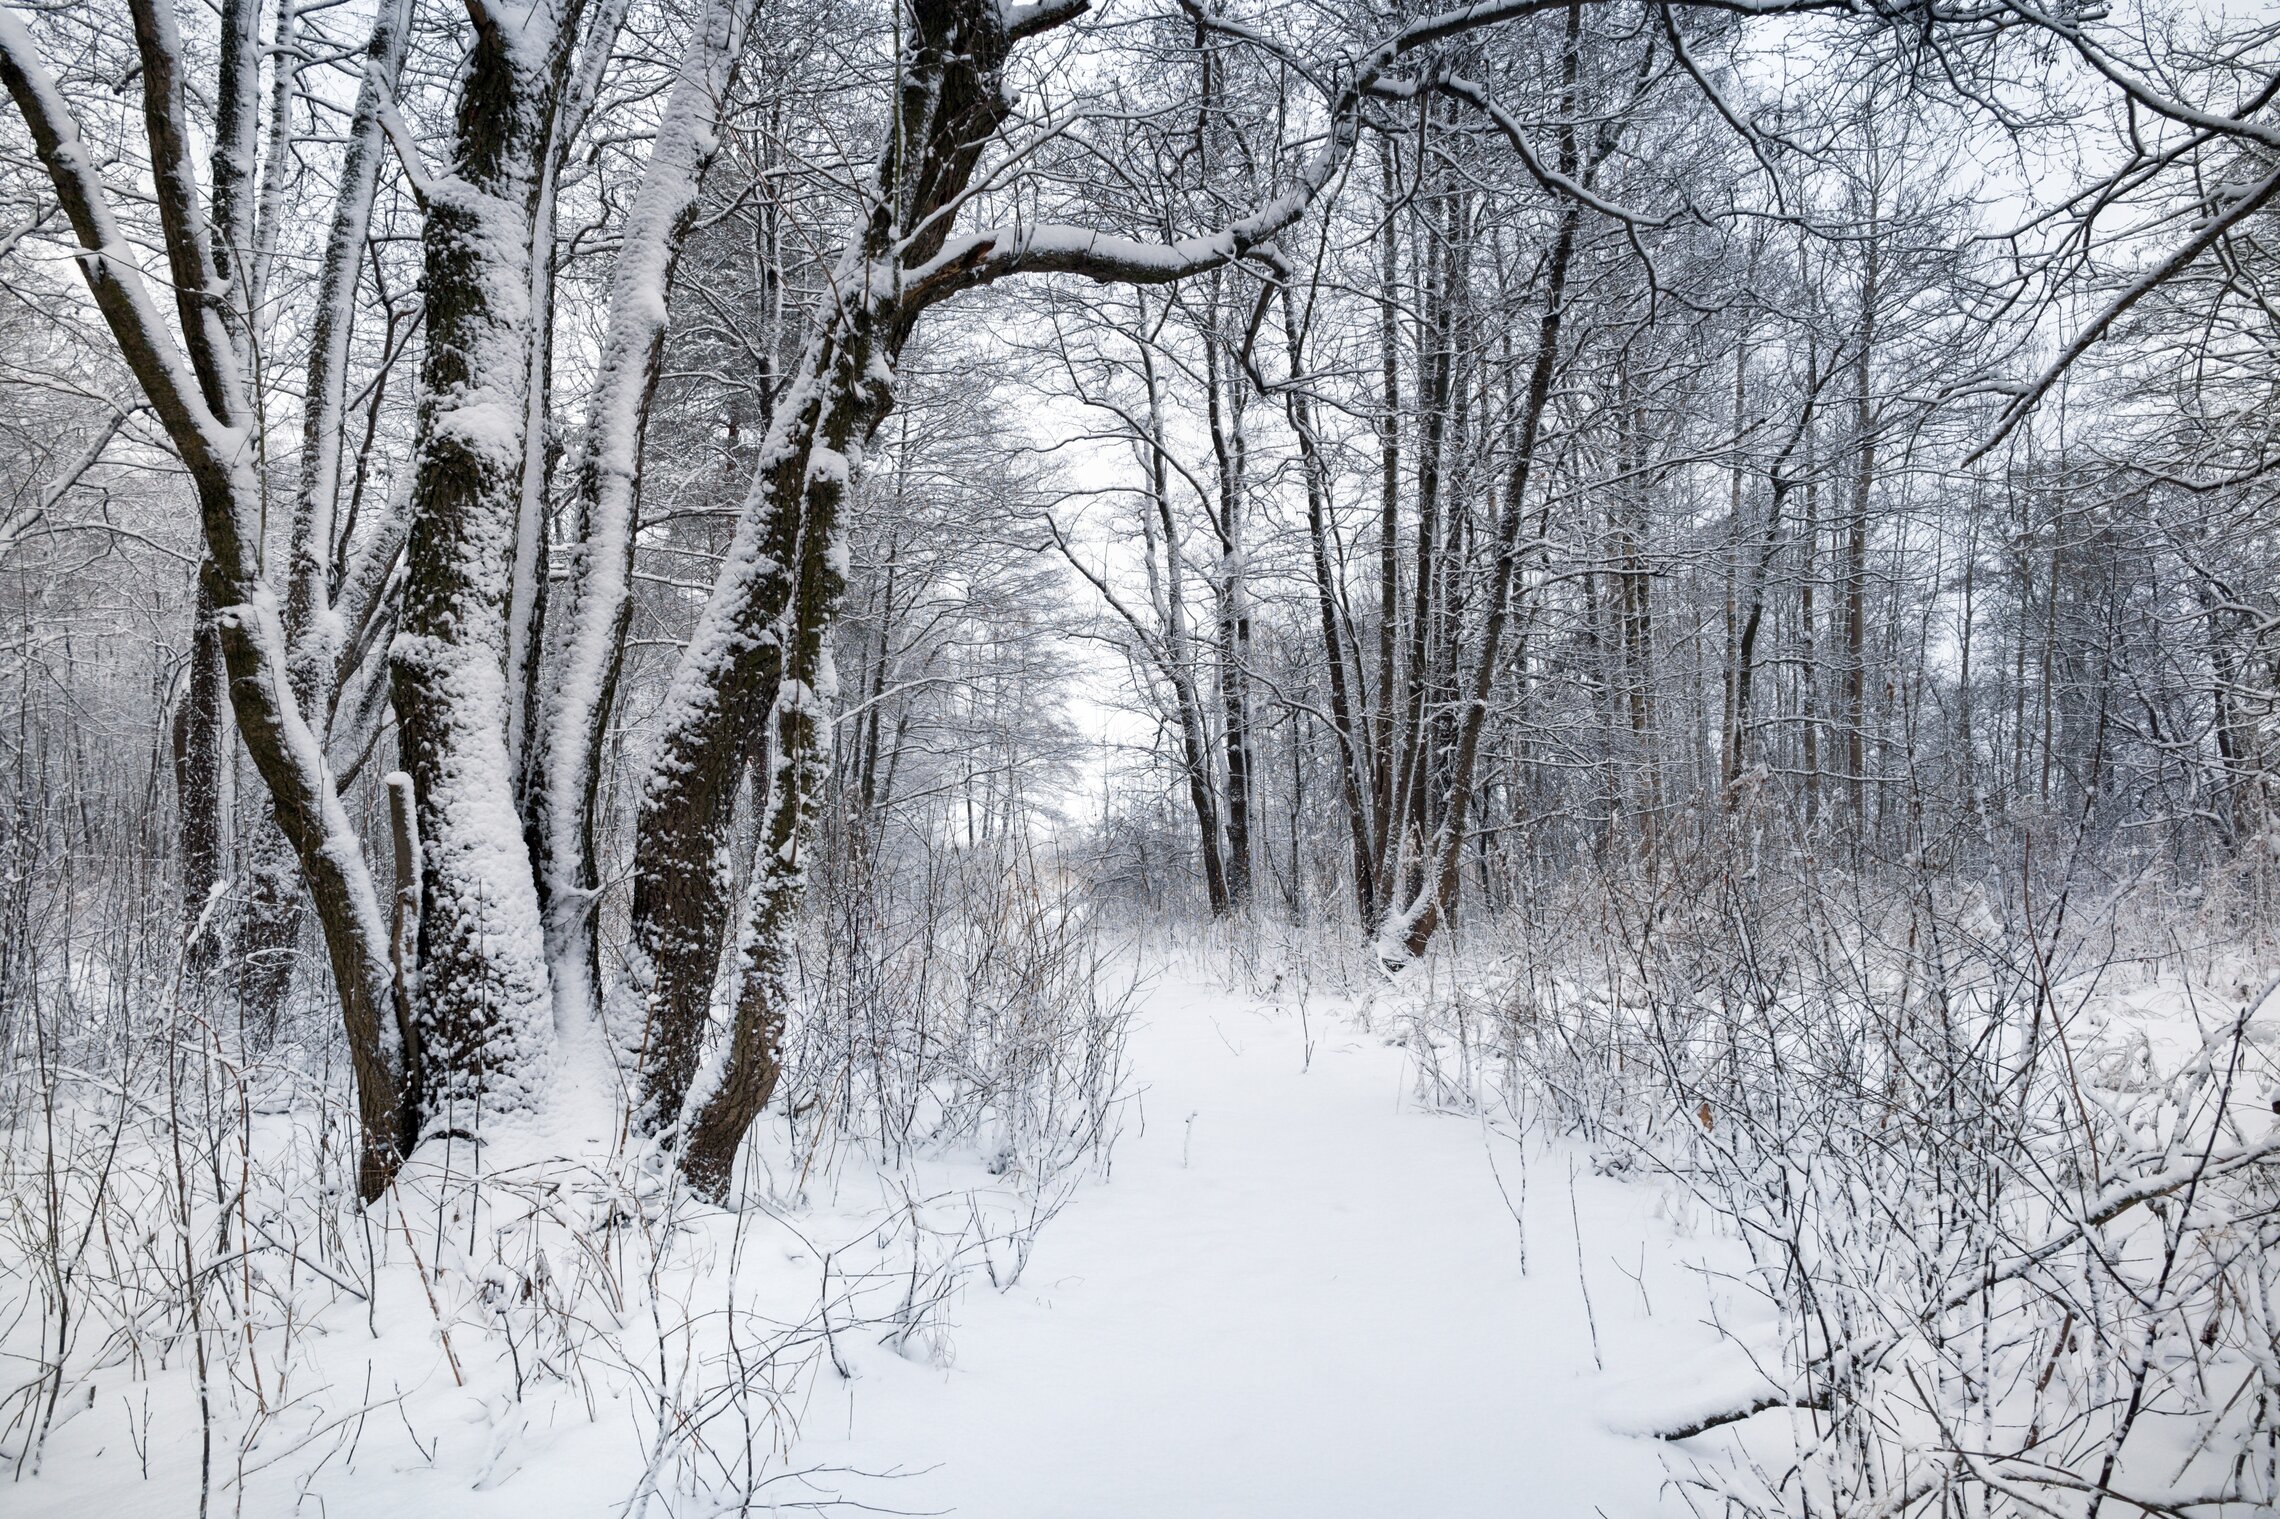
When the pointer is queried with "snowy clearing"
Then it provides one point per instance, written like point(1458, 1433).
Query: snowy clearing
point(1299, 1293)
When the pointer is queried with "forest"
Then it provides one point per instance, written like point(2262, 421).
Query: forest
point(1112, 757)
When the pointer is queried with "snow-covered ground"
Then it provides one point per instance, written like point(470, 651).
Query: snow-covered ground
point(1299, 1293)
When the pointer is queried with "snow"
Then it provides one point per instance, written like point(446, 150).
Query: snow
point(827, 465)
point(1297, 1292)
point(1298, 1295)
point(1690, 1392)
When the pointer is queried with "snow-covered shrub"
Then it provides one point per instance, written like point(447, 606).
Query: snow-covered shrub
point(971, 1007)
point(2012, 1195)
point(188, 1282)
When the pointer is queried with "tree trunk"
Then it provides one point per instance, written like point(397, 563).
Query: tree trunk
point(800, 763)
point(1856, 537)
point(1352, 757)
point(1401, 863)
point(1780, 482)
point(1385, 719)
point(1808, 651)
point(744, 663)
point(483, 987)
point(195, 392)
point(565, 763)
point(201, 748)
point(1234, 615)
point(1403, 935)
point(268, 938)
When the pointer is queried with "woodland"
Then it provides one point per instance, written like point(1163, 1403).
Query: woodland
point(636, 635)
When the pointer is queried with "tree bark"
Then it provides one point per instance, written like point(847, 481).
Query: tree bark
point(1385, 719)
point(1855, 612)
point(1406, 931)
point(1227, 448)
point(484, 992)
point(1780, 482)
point(201, 749)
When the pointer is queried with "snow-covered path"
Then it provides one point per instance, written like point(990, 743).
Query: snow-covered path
point(1310, 1301)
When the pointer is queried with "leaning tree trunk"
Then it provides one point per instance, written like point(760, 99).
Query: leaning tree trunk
point(951, 102)
point(797, 772)
point(1405, 932)
point(1780, 481)
point(194, 390)
point(715, 716)
point(1353, 760)
point(1384, 718)
point(565, 764)
point(1178, 656)
point(742, 676)
point(270, 930)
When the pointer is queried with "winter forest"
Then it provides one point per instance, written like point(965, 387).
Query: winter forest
point(1139, 757)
